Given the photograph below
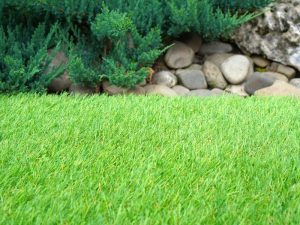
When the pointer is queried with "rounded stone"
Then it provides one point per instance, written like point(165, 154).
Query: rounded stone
point(219, 58)
point(236, 68)
point(165, 78)
point(161, 90)
point(179, 56)
point(218, 91)
point(180, 90)
point(215, 47)
point(195, 67)
point(214, 76)
point(192, 79)
point(260, 61)
point(258, 81)
point(289, 72)
point(273, 67)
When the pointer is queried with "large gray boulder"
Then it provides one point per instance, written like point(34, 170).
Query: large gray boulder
point(275, 34)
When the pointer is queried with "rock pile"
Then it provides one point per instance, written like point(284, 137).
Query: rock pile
point(213, 69)
point(222, 72)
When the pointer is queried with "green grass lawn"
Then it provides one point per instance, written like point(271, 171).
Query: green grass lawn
point(138, 160)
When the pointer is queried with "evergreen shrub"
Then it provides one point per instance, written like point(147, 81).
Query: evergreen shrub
point(24, 59)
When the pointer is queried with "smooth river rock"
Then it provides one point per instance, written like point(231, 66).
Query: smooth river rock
point(236, 69)
point(179, 56)
point(161, 90)
point(215, 47)
point(164, 78)
point(214, 76)
point(192, 79)
point(180, 90)
point(258, 81)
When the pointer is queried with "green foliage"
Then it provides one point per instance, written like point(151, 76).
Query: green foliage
point(202, 17)
point(130, 53)
point(80, 72)
point(120, 75)
point(62, 9)
point(115, 39)
point(112, 25)
point(240, 4)
point(146, 14)
point(24, 59)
